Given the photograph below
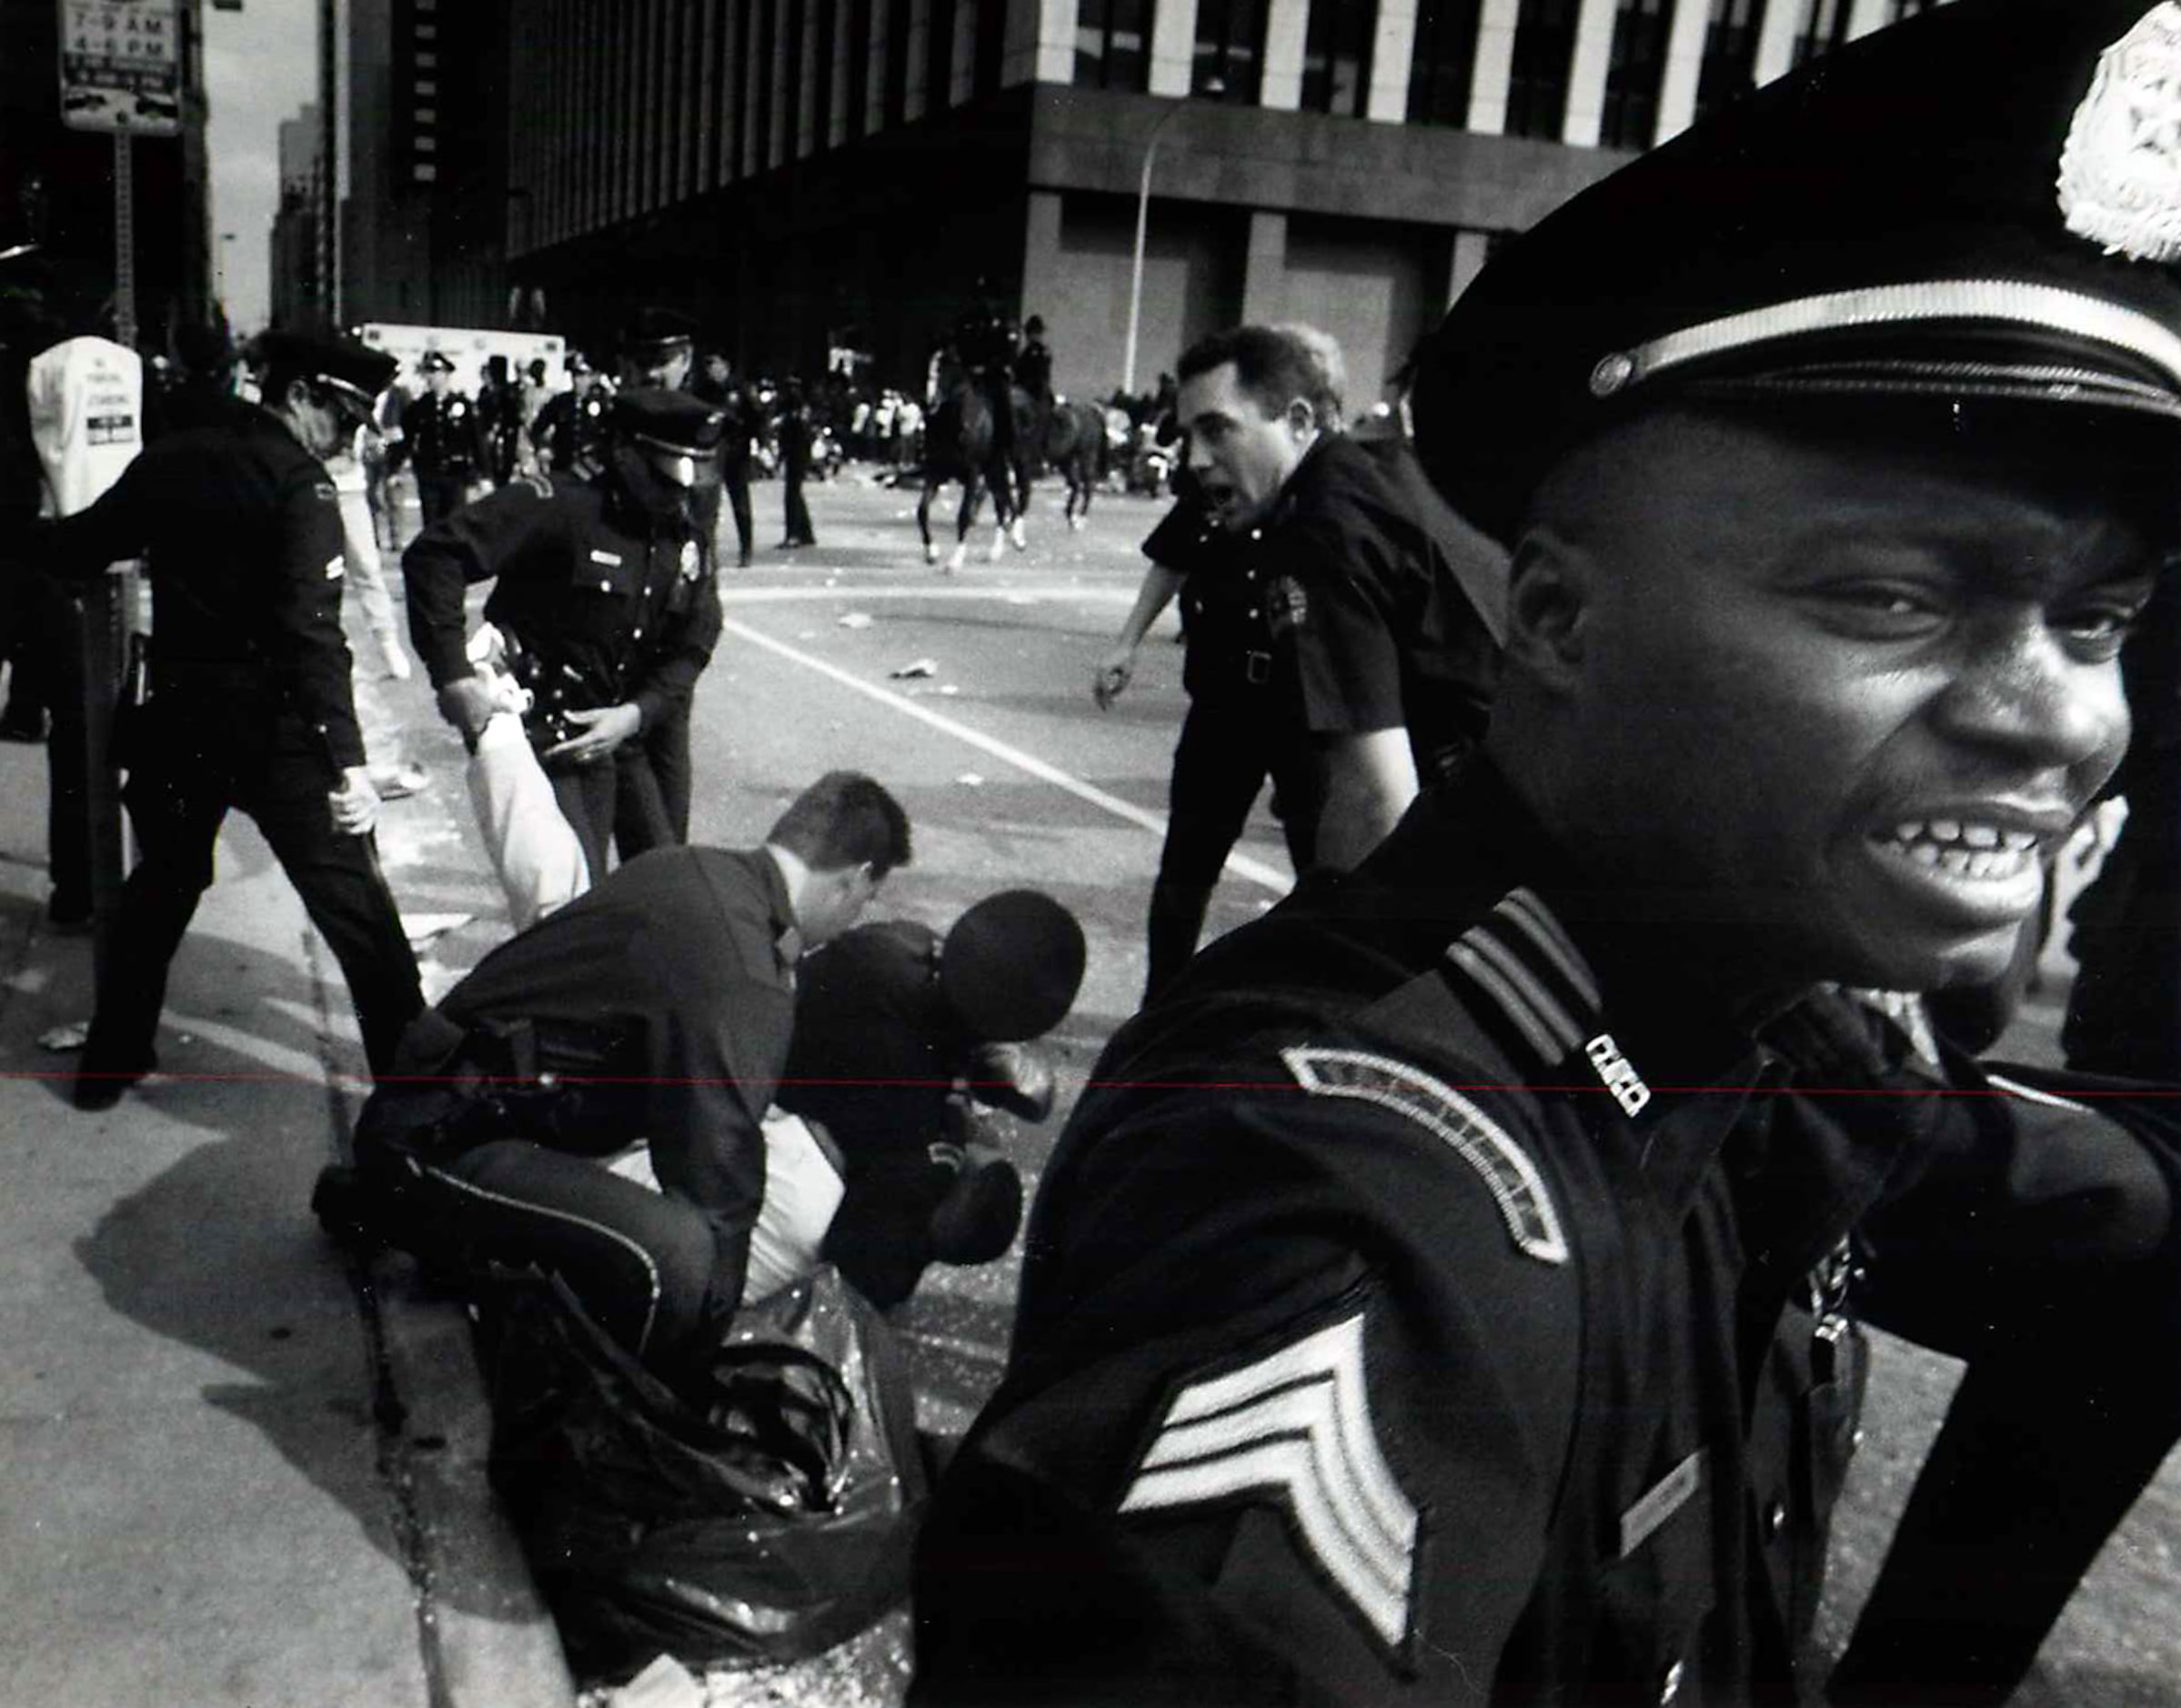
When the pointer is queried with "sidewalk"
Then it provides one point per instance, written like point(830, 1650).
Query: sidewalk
point(234, 1467)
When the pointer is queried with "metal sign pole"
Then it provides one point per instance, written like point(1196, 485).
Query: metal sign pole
point(124, 241)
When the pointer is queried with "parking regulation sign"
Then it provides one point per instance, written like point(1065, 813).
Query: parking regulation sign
point(121, 65)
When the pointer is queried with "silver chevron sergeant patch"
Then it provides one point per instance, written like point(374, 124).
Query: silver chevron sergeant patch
point(1293, 1429)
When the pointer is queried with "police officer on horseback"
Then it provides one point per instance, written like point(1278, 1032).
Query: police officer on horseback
point(985, 342)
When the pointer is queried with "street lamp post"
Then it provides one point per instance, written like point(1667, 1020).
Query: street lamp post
point(1215, 88)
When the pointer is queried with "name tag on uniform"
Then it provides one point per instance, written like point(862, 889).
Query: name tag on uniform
point(612, 558)
point(335, 567)
point(1667, 1497)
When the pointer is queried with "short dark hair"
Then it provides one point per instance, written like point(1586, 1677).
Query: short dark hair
point(1273, 364)
point(844, 819)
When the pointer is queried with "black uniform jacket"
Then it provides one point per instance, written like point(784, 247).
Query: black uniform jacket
point(615, 606)
point(1404, 1314)
point(441, 435)
point(241, 533)
point(1378, 596)
point(878, 1047)
point(570, 430)
point(661, 1001)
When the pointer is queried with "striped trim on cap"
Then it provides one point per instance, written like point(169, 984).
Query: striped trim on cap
point(2004, 302)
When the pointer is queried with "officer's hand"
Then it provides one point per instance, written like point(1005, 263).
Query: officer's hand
point(1114, 670)
point(354, 803)
point(468, 702)
point(604, 729)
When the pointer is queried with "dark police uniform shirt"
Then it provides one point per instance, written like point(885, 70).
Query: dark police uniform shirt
point(670, 984)
point(443, 435)
point(1227, 662)
point(1394, 1309)
point(615, 606)
point(242, 537)
point(1374, 625)
point(569, 431)
point(877, 1044)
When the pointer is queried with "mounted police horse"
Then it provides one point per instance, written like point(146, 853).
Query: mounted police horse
point(1072, 438)
point(958, 447)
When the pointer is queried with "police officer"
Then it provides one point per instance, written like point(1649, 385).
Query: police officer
point(658, 348)
point(985, 342)
point(249, 694)
point(654, 1011)
point(1382, 603)
point(442, 439)
point(604, 596)
point(1429, 1302)
point(715, 383)
point(1231, 736)
point(500, 419)
point(902, 1039)
point(569, 433)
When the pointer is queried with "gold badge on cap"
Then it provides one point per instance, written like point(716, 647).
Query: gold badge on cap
point(2120, 170)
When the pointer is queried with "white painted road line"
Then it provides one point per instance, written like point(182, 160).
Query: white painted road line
point(1240, 865)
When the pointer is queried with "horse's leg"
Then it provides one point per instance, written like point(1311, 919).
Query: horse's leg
point(963, 518)
point(923, 519)
point(1015, 531)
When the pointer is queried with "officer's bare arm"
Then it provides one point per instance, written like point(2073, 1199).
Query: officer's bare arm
point(1369, 778)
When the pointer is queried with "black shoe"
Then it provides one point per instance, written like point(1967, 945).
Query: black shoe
point(347, 1210)
point(17, 724)
point(101, 1080)
point(742, 562)
point(67, 915)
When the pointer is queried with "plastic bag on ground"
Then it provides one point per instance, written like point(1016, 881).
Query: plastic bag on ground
point(772, 1525)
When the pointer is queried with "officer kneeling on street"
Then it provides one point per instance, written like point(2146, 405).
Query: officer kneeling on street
point(606, 595)
point(904, 1042)
point(653, 1011)
point(1429, 1300)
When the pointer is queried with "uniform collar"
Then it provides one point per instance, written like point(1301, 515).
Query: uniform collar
point(1585, 998)
point(1590, 997)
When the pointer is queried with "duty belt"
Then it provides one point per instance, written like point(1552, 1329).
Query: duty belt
point(1257, 669)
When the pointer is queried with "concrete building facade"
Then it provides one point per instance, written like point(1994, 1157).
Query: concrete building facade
point(803, 174)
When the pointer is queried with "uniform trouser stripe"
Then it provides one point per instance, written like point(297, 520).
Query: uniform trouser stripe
point(613, 1236)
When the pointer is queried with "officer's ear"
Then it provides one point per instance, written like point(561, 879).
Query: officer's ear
point(1300, 417)
point(1552, 588)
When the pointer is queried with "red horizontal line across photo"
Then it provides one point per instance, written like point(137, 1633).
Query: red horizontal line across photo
point(2073, 1093)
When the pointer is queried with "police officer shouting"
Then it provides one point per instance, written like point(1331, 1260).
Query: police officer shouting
point(443, 438)
point(1381, 604)
point(1436, 1297)
point(249, 694)
point(1233, 736)
point(605, 597)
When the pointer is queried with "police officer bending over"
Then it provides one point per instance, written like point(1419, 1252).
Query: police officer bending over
point(1420, 1306)
point(655, 1012)
point(605, 596)
point(249, 694)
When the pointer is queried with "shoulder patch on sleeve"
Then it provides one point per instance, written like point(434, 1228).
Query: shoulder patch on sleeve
point(1507, 1172)
point(1292, 1429)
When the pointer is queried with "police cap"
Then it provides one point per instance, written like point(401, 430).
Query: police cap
point(1011, 965)
point(675, 421)
point(577, 362)
point(1978, 204)
point(653, 331)
point(435, 362)
point(347, 370)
